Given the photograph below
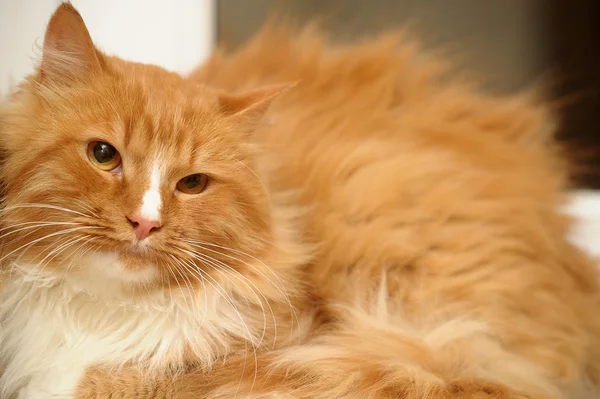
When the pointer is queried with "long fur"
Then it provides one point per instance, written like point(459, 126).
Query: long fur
point(412, 246)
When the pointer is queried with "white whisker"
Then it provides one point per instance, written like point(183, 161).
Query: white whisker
point(58, 233)
point(34, 225)
point(186, 282)
point(230, 301)
point(222, 268)
point(203, 282)
point(54, 253)
point(282, 290)
point(43, 206)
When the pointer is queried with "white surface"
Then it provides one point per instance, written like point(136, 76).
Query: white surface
point(175, 34)
point(585, 207)
point(22, 25)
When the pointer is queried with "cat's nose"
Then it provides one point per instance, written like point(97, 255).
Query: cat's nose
point(143, 226)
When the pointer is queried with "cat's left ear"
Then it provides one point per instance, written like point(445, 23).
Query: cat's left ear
point(69, 53)
point(249, 108)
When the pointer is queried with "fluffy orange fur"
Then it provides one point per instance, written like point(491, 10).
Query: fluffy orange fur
point(410, 222)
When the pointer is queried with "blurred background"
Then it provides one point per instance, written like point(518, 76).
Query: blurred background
point(509, 43)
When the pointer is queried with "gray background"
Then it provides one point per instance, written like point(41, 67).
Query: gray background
point(502, 41)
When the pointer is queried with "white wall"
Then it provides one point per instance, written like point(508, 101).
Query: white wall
point(22, 25)
point(585, 207)
point(176, 34)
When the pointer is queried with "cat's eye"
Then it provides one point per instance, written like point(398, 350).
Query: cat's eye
point(103, 155)
point(193, 184)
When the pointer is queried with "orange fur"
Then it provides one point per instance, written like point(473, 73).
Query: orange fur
point(427, 257)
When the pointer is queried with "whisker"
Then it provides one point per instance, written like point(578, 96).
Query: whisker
point(54, 253)
point(86, 207)
point(81, 252)
point(58, 233)
point(70, 242)
point(222, 268)
point(230, 301)
point(57, 251)
point(200, 243)
point(20, 237)
point(43, 206)
point(186, 281)
point(55, 245)
point(33, 225)
point(170, 269)
point(203, 281)
point(282, 290)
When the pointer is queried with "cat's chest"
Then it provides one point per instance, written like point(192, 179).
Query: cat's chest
point(45, 348)
point(48, 337)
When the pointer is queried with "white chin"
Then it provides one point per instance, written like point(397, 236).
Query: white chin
point(102, 273)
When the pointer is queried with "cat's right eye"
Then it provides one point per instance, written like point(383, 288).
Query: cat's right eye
point(193, 184)
point(103, 156)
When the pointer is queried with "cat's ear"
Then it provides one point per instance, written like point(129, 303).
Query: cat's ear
point(250, 107)
point(69, 53)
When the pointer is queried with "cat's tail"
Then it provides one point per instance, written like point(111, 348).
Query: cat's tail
point(368, 356)
point(374, 353)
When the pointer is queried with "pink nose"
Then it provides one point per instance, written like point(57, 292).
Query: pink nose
point(143, 226)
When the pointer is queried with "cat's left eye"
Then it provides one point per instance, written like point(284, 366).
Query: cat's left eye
point(193, 184)
point(103, 155)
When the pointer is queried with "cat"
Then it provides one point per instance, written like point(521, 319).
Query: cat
point(296, 219)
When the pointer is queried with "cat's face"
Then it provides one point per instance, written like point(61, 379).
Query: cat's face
point(127, 169)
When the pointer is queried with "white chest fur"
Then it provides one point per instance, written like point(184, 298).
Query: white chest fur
point(50, 333)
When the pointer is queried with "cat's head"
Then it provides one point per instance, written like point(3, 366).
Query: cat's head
point(126, 170)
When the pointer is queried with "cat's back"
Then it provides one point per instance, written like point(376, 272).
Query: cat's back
point(409, 172)
point(378, 98)
point(382, 118)
point(381, 141)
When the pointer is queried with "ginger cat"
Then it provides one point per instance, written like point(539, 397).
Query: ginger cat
point(296, 220)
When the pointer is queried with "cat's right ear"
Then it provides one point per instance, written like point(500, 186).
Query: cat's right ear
point(69, 54)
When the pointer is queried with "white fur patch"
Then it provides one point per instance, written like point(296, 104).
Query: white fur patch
point(61, 383)
point(151, 202)
point(52, 328)
point(104, 275)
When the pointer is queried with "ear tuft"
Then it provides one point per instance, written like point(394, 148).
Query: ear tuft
point(69, 53)
point(252, 106)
